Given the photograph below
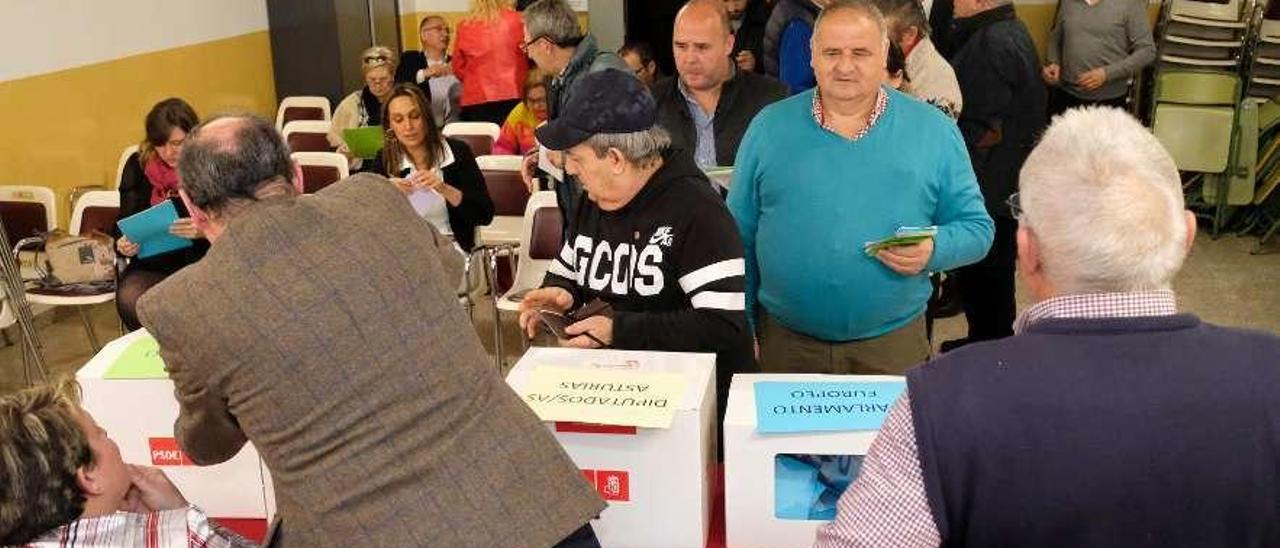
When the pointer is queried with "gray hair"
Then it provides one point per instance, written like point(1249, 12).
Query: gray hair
point(218, 169)
point(861, 7)
point(639, 148)
point(902, 15)
point(1104, 200)
point(553, 20)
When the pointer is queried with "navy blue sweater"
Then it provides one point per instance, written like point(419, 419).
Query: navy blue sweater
point(1159, 431)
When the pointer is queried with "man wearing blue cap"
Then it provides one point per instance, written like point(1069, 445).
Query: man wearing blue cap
point(653, 240)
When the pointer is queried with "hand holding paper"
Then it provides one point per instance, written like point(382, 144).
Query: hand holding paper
point(907, 252)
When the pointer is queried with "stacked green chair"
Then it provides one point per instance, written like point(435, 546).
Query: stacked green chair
point(1196, 117)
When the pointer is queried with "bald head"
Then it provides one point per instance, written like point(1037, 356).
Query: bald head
point(230, 158)
point(700, 12)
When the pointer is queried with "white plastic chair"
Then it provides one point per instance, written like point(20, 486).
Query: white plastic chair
point(95, 199)
point(480, 136)
point(530, 271)
point(315, 169)
point(308, 135)
point(505, 227)
point(124, 159)
point(307, 102)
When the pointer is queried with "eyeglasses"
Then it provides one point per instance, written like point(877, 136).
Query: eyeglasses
point(1015, 206)
point(441, 29)
point(372, 58)
point(176, 143)
point(524, 48)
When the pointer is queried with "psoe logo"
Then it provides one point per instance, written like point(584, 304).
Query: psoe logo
point(165, 452)
point(663, 236)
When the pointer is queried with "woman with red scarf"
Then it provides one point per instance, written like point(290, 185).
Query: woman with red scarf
point(150, 177)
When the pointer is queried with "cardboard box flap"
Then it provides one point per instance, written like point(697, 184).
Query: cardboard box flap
point(100, 363)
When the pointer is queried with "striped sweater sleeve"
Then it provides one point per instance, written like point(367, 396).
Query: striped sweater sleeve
point(710, 270)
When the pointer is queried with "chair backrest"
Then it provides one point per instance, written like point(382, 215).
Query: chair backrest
point(307, 136)
point(302, 107)
point(539, 240)
point(95, 210)
point(544, 227)
point(124, 159)
point(479, 136)
point(506, 187)
point(1217, 11)
point(1189, 87)
point(27, 211)
point(321, 169)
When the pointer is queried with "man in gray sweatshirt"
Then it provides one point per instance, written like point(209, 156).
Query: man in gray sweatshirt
point(1096, 48)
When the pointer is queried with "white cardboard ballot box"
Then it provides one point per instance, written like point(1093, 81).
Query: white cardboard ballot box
point(138, 413)
point(657, 481)
point(749, 463)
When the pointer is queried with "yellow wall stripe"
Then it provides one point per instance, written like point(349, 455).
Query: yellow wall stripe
point(67, 128)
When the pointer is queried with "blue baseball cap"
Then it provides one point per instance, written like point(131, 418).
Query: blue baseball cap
point(608, 101)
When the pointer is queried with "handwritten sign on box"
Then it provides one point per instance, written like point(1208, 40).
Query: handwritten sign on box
point(623, 398)
point(783, 407)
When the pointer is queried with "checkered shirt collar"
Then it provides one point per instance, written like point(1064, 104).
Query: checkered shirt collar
point(882, 102)
point(1100, 305)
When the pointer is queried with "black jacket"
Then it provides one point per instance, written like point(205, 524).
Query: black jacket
point(750, 35)
point(742, 97)
point(1004, 99)
point(411, 62)
point(637, 259)
point(476, 207)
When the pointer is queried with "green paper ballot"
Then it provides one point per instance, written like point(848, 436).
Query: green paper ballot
point(907, 235)
point(364, 142)
point(141, 360)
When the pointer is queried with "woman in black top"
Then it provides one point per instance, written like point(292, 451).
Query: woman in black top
point(150, 177)
point(439, 175)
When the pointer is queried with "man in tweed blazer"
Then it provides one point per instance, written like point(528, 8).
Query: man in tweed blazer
point(325, 329)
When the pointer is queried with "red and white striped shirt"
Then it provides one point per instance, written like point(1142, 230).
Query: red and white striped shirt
point(887, 506)
point(181, 528)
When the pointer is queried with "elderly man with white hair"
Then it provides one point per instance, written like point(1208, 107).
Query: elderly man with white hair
point(1110, 419)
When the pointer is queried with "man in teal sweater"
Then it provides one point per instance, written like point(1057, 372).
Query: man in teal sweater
point(824, 172)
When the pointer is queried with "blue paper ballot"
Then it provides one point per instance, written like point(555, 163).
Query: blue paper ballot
point(150, 230)
point(808, 487)
point(783, 407)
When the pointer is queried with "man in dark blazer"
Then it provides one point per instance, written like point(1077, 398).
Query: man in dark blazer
point(708, 105)
point(325, 329)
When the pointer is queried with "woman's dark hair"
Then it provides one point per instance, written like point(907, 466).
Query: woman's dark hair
point(164, 117)
point(393, 153)
point(897, 62)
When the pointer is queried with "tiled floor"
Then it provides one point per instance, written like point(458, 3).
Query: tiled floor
point(1221, 282)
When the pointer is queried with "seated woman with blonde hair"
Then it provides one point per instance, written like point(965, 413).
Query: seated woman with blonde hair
point(364, 108)
point(439, 175)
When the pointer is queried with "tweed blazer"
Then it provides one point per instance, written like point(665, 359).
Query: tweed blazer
point(326, 330)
